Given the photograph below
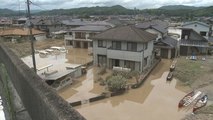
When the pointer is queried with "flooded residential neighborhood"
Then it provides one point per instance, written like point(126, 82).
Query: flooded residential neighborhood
point(106, 60)
point(155, 98)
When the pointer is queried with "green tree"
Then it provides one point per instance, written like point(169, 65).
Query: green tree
point(116, 83)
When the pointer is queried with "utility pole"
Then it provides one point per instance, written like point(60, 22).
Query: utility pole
point(31, 36)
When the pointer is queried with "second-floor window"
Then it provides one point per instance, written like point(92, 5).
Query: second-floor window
point(131, 46)
point(80, 35)
point(202, 33)
point(145, 62)
point(101, 43)
point(116, 45)
point(92, 34)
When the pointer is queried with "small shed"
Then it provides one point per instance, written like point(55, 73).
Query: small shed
point(166, 47)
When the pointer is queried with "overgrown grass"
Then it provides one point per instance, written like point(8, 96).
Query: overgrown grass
point(187, 71)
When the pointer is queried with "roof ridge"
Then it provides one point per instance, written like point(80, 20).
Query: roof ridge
point(134, 29)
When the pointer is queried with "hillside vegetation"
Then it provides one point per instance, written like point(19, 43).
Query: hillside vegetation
point(177, 10)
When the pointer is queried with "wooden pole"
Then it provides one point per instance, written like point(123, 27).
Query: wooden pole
point(31, 36)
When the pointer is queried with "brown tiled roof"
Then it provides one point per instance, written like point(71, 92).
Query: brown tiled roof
point(20, 32)
point(125, 33)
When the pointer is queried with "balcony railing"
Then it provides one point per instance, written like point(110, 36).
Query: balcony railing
point(68, 37)
point(124, 54)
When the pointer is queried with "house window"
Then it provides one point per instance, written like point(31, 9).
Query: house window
point(80, 35)
point(129, 64)
point(102, 60)
point(131, 46)
point(202, 33)
point(145, 46)
point(145, 62)
point(90, 44)
point(101, 43)
point(92, 34)
point(116, 45)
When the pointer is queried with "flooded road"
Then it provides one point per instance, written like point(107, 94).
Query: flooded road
point(154, 100)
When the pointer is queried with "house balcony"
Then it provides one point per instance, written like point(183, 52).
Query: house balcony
point(68, 37)
point(124, 54)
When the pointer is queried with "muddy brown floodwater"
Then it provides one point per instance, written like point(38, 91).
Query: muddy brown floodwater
point(156, 99)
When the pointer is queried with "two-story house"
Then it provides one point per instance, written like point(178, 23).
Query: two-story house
point(79, 37)
point(201, 28)
point(156, 27)
point(192, 43)
point(124, 46)
point(164, 45)
point(48, 25)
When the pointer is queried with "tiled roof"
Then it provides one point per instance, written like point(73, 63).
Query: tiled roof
point(125, 33)
point(158, 25)
point(78, 22)
point(90, 28)
point(193, 22)
point(169, 41)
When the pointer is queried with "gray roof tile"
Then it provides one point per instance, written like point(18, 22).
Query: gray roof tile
point(90, 28)
point(125, 33)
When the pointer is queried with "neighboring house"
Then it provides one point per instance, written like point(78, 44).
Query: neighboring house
point(192, 43)
point(5, 22)
point(79, 22)
point(124, 46)
point(158, 28)
point(201, 28)
point(73, 23)
point(16, 33)
point(166, 47)
point(21, 21)
point(48, 25)
point(79, 37)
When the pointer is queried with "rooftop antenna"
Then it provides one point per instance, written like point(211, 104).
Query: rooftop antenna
point(31, 36)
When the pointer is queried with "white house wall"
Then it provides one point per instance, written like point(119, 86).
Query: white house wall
point(198, 28)
point(149, 49)
point(123, 54)
point(175, 30)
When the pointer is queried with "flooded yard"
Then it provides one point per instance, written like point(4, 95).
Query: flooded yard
point(154, 100)
point(84, 88)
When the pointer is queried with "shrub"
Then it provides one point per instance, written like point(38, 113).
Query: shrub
point(116, 83)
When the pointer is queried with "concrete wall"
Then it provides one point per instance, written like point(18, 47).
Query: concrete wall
point(40, 37)
point(41, 101)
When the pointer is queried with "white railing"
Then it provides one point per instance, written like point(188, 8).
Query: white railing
point(68, 37)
